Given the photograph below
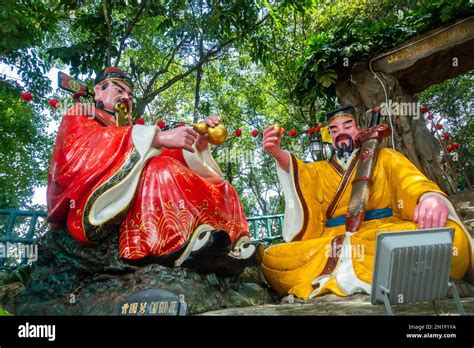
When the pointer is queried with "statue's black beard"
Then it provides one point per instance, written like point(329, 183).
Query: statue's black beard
point(343, 152)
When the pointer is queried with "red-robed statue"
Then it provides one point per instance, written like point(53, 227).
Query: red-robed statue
point(160, 190)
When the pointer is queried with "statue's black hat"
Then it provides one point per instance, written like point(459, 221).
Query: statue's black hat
point(113, 73)
point(346, 110)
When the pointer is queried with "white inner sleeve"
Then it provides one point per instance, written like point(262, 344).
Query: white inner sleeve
point(322, 280)
point(203, 164)
point(345, 275)
point(209, 160)
point(117, 198)
point(142, 138)
point(293, 221)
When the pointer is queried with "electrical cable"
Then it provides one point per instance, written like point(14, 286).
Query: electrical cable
point(398, 49)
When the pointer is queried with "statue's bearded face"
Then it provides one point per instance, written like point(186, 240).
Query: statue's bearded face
point(109, 92)
point(343, 131)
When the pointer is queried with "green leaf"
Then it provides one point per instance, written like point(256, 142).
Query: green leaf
point(327, 79)
point(3, 312)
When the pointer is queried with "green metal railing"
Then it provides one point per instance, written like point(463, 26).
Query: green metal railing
point(15, 232)
point(265, 229)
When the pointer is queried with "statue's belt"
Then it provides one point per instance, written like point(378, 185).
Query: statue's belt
point(369, 215)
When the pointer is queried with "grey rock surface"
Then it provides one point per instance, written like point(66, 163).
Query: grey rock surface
point(70, 279)
point(357, 304)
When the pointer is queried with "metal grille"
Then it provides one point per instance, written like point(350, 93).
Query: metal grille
point(420, 273)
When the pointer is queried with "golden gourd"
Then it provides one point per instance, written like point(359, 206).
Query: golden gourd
point(217, 135)
point(201, 127)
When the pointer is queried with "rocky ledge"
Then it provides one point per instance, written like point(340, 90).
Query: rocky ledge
point(70, 279)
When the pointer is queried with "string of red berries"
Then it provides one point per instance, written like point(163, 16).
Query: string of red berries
point(238, 132)
point(27, 96)
point(438, 126)
point(292, 132)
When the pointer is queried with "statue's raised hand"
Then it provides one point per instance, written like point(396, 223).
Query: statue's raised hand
point(271, 145)
point(176, 138)
point(271, 141)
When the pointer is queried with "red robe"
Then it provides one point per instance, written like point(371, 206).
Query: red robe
point(104, 178)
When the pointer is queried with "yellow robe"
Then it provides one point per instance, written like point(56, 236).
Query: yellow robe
point(301, 267)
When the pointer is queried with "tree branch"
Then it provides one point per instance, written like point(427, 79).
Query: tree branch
point(260, 202)
point(208, 55)
point(198, 83)
point(128, 31)
point(181, 76)
point(194, 16)
point(197, 94)
point(277, 100)
point(109, 33)
point(164, 69)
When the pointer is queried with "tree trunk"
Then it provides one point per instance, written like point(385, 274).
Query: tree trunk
point(405, 70)
point(197, 95)
point(411, 135)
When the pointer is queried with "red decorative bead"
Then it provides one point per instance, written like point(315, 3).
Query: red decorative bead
point(424, 109)
point(446, 136)
point(255, 133)
point(140, 121)
point(311, 131)
point(181, 125)
point(54, 103)
point(455, 145)
point(439, 126)
point(293, 133)
point(238, 133)
point(318, 128)
point(430, 117)
point(26, 96)
point(161, 124)
point(449, 148)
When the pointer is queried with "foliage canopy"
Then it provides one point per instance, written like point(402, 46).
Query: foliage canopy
point(255, 63)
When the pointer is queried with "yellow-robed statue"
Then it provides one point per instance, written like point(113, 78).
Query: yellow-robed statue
point(322, 254)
